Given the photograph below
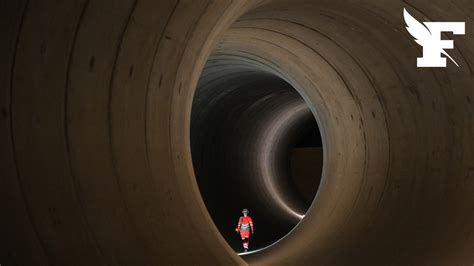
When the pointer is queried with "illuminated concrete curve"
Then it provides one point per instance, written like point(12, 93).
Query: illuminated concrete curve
point(97, 130)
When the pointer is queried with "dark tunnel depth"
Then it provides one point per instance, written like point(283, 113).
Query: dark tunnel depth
point(255, 144)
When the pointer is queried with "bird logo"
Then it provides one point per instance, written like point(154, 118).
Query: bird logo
point(428, 35)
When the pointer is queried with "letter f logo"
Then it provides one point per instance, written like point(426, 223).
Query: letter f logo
point(429, 37)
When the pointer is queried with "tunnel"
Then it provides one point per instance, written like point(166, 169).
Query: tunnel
point(134, 132)
point(254, 143)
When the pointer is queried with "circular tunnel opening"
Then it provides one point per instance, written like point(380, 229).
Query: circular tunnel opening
point(255, 144)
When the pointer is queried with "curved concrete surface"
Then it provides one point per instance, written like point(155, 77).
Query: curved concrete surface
point(95, 117)
point(245, 123)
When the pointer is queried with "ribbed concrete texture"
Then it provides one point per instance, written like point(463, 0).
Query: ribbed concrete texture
point(126, 125)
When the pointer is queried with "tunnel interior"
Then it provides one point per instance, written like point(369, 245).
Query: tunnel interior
point(107, 120)
point(255, 144)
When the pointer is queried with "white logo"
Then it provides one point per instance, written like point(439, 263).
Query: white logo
point(429, 37)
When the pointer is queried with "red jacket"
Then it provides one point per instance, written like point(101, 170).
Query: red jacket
point(245, 223)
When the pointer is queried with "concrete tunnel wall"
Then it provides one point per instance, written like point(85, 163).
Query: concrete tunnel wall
point(96, 98)
point(245, 121)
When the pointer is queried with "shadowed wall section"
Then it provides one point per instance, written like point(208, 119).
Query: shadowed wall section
point(96, 103)
point(245, 122)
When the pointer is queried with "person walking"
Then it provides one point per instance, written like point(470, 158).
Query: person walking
point(244, 227)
